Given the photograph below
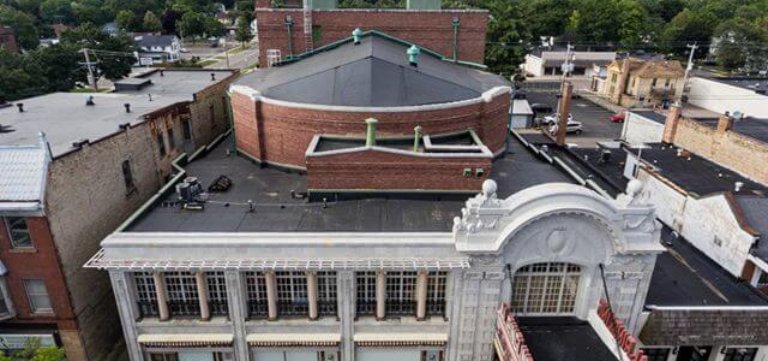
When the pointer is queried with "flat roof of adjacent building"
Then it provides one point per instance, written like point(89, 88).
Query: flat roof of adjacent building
point(756, 128)
point(563, 338)
point(684, 276)
point(743, 82)
point(65, 118)
point(651, 115)
point(275, 210)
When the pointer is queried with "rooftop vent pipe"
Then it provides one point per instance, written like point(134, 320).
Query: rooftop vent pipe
point(737, 186)
point(416, 138)
point(413, 55)
point(162, 72)
point(89, 101)
point(21, 107)
point(213, 76)
point(370, 136)
point(127, 107)
point(357, 34)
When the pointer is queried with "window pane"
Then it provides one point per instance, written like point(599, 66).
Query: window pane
point(38, 296)
point(545, 288)
point(18, 231)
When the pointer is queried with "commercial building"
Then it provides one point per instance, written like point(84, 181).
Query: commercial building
point(296, 28)
point(74, 167)
point(543, 62)
point(744, 95)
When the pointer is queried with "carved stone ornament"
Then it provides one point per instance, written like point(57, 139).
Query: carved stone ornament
point(471, 220)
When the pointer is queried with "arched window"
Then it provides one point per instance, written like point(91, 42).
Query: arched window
point(545, 288)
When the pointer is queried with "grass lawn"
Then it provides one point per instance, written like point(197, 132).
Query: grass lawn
point(205, 63)
point(89, 90)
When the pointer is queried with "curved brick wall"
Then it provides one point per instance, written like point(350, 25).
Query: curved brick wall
point(281, 134)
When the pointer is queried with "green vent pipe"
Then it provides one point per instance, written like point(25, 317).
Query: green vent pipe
point(370, 137)
point(416, 138)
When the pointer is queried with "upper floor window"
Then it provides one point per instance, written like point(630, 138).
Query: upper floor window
point(256, 288)
point(18, 232)
point(212, 115)
point(366, 293)
point(740, 354)
point(37, 294)
point(326, 294)
point(130, 186)
point(545, 288)
point(292, 295)
point(183, 299)
point(146, 294)
point(186, 130)
point(217, 293)
point(656, 354)
point(171, 140)
point(160, 145)
point(401, 293)
point(436, 284)
point(6, 308)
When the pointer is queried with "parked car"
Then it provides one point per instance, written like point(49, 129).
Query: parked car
point(572, 127)
point(540, 108)
point(618, 117)
point(552, 119)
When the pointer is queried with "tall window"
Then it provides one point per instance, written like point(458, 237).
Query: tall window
point(171, 139)
point(217, 293)
point(6, 310)
point(740, 354)
point(128, 176)
point(326, 294)
point(160, 145)
point(146, 294)
point(212, 115)
point(436, 283)
point(183, 299)
point(292, 295)
point(256, 287)
point(18, 232)
point(37, 294)
point(366, 293)
point(545, 288)
point(401, 293)
point(186, 131)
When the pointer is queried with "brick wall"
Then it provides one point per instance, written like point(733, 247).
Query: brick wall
point(740, 153)
point(430, 29)
point(374, 169)
point(281, 135)
point(45, 267)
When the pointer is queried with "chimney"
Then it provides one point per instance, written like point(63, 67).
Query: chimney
point(213, 76)
point(127, 107)
point(370, 136)
point(565, 109)
point(416, 138)
point(413, 55)
point(622, 84)
point(724, 123)
point(357, 34)
point(21, 107)
point(670, 124)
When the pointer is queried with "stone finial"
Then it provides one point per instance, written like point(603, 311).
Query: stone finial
point(489, 188)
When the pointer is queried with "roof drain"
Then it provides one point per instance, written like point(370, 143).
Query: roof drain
point(370, 136)
point(413, 55)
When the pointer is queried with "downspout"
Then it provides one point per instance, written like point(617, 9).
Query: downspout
point(289, 25)
point(455, 23)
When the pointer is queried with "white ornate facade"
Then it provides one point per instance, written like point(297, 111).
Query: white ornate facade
point(558, 235)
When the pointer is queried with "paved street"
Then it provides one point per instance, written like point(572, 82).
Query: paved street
point(595, 119)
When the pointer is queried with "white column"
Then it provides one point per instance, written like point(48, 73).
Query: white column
point(162, 299)
point(312, 294)
point(271, 295)
point(421, 295)
point(202, 295)
point(381, 295)
point(126, 307)
point(238, 311)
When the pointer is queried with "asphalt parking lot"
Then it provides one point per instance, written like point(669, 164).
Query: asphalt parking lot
point(595, 120)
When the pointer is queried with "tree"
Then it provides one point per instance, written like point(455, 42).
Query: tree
point(505, 49)
point(23, 24)
point(243, 32)
point(152, 22)
point(60, 65)
point(90, 11)
point(169, 19)
point(57, 11)
point(114, 53)
point(125, 20)
point(213, 27)
point(49, 354)
point(191, 24)
point(742, 45)
point(546, 17)
point(687, 27)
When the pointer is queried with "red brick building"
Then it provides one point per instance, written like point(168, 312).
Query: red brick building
point(311, 113)
point(443, 31)
point(8, 38)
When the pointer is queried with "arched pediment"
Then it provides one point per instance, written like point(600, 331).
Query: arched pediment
point(488, 223)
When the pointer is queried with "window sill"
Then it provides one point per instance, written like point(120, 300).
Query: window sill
point(23, 250)
point(42, 314)
point(330, 321)
point(401, 320)
point(215, 320)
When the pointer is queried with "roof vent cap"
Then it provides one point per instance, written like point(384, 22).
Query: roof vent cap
point(737, 186)
point(413, 55)
point(357, 34)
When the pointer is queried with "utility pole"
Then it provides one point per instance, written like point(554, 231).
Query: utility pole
point(89, 65)
point(566, 68)
point(688, 67)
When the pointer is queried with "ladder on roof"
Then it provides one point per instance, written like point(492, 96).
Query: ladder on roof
point(308, 43)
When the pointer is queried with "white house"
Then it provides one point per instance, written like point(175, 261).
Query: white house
point(548, 62)
point(156, 49)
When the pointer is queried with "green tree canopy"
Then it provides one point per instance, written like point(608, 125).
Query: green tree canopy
point(23, 24)
point(57, 11)
point(152, 22)
point(243, 32)
point(505, 49)
point(213, 27)
point(126, 20)
point(742, 45)
point(191, 24)
point(113, 53)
